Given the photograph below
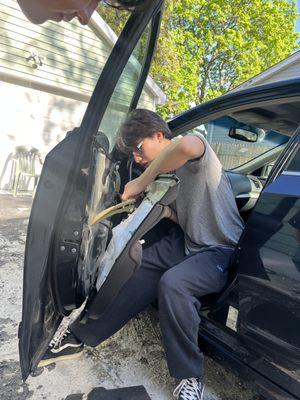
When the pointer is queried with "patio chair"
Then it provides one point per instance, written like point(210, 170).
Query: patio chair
point(25, 167)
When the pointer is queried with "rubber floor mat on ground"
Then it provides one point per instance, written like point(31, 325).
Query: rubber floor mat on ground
point(128, 393)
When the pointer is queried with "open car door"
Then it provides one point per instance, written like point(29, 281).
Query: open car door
point(79, 180)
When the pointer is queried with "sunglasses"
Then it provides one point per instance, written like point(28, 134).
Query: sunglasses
point(139, 148)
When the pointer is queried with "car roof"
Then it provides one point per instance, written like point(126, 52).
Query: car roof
point(275, 105)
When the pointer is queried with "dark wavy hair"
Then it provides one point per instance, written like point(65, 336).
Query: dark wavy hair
point(139, 124)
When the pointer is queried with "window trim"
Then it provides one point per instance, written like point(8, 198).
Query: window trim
point(151, 46)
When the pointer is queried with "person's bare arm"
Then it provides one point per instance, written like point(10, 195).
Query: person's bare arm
point(174, 156)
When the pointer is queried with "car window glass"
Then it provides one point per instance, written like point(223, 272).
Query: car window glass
point(232, 152)
point(115, 18)
point(120, 101)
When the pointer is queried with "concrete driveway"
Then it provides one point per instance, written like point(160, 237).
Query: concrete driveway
point(134, 356)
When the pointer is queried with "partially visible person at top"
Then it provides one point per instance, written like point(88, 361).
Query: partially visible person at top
point(39, 11)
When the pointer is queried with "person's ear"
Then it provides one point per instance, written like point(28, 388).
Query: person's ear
point(159, 136)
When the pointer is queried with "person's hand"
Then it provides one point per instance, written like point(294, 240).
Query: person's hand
point(167, 212)
point(133, 189)
point(170, 214)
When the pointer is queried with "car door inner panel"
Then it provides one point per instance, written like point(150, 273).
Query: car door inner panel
point(124, 253)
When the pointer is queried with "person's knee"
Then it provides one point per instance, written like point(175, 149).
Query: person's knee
point(169, 285)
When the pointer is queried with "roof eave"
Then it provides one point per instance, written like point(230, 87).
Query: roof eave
point(261, 77)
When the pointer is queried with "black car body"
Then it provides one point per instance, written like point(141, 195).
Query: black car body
point(253, 325)
point(263, 288)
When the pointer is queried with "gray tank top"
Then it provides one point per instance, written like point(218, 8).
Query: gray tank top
point(205, 205)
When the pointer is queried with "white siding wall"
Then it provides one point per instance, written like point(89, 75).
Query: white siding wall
point(39, 105)
point(33, 118)
point(72, 55)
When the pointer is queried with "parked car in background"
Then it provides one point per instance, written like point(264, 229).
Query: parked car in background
point(252, 327)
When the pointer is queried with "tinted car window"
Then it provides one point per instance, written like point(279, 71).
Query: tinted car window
point(233, 152)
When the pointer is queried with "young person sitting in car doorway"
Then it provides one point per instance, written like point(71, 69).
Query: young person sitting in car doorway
point(187, 264)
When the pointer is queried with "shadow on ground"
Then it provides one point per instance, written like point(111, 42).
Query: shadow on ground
point(132, 357)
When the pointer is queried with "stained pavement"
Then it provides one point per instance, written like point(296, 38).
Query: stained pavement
point(134, 356)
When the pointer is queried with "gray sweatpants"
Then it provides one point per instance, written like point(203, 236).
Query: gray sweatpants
point(179, 282)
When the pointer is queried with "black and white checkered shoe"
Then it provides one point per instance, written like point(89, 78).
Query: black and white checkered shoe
point(63, 347)
point(189, 389)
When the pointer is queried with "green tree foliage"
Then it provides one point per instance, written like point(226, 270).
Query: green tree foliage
point(208, 47)
point(115, 18)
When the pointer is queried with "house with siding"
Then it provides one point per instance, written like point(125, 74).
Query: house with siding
point(288, 68)
point(47, 75)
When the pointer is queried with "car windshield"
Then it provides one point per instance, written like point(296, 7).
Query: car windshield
point(233, 152)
